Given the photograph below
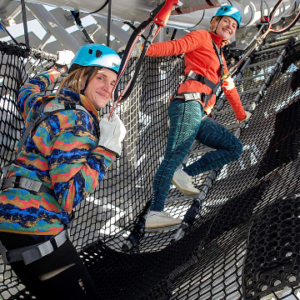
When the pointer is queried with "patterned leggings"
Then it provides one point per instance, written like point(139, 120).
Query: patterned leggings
point(185, 127)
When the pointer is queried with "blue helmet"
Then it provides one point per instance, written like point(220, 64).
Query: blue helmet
point(229, 11)
point(95, 55)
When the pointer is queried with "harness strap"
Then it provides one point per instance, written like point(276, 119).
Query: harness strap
point(189, 96)
point(33, 121)
point(36, 119)
point(198, 77)
point(27, 184)
point(87, 80)
point(66, 106)
point(49, 111)
point(218, 51)
point(32, 253)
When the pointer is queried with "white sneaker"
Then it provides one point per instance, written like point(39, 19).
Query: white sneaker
point(183, 183)
point(161, 219)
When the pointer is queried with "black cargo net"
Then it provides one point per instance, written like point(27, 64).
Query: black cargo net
point(244, 241)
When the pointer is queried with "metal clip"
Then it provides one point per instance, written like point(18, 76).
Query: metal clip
point(191, 75)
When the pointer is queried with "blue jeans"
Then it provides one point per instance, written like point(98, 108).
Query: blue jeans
point(185, 127)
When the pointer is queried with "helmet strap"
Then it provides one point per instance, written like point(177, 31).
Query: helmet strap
point(87, 80)
point(218, 25)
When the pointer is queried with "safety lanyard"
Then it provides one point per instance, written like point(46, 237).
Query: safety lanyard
point(218, 51)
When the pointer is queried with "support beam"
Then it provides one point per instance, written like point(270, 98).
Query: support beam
point(3, 6)
point(44, 40)
point(54, 27)
point(9, 19)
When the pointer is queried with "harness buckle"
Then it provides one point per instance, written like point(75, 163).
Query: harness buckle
point(203, 97)
point(30, 185)
point(191, 75)
point(71, 106)
point(191, 96)
point(35, 116)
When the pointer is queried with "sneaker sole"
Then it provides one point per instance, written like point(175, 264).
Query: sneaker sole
point(186, 192)
point(162, 229)
point(156, 226)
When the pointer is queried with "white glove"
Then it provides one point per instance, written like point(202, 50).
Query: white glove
point(248, 115)
point(112, 133)
point(64, 58)
point(136, 52)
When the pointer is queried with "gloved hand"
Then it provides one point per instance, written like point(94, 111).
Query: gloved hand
point(248, 115)
point(64, 58)
point(112, 133)
point(137, 50)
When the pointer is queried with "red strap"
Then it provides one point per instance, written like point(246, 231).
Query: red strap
point(209, 3)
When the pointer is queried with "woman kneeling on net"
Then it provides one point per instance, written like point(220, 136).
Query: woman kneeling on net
point(60, 160)
point(188, 110)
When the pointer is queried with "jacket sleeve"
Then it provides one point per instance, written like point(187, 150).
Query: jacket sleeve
point(76, 163)
point(30, 91)
point(232, 96)
point(187, 43)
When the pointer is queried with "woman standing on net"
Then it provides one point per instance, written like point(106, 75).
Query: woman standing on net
point(188, 110)
point(60, 160)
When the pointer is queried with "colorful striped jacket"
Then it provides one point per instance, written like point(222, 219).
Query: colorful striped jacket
point(62, 153)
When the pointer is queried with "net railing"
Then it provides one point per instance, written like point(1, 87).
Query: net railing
point(244, 243)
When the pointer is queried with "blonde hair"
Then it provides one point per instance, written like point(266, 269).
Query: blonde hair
point(217, 19)
point(74, 80)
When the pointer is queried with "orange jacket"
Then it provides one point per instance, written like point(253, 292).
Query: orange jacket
point(200, 57)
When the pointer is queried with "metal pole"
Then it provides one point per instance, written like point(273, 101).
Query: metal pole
point(25, 24)
point(9, 33)
point(108, 23)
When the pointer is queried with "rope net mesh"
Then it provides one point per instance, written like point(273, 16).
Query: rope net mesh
point(244, 242)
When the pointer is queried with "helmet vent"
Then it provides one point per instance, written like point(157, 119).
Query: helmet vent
point(98, 53)
point(90, 51)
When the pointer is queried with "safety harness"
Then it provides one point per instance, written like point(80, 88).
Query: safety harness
point(32, 253)
point(188, 96)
